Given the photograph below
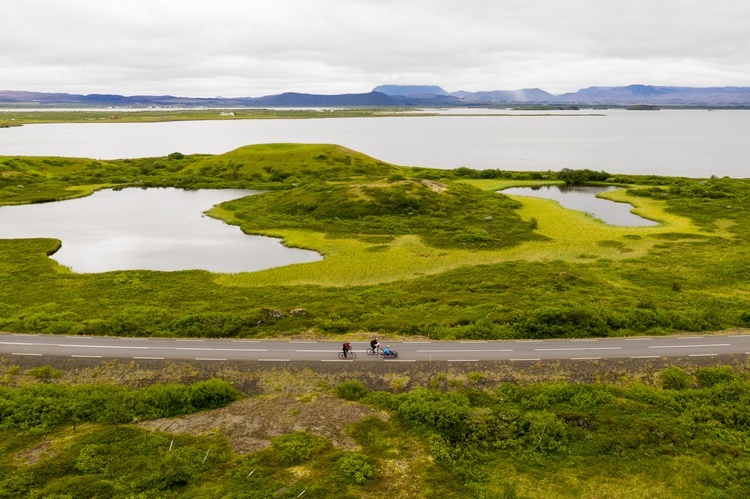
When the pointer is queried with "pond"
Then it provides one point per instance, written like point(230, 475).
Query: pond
point(583, 198)
point(148, 229)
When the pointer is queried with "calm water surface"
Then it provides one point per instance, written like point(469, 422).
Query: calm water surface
point(691, 143)
point(583, 198)
point(153, 229)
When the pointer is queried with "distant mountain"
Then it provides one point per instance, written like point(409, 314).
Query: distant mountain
point(289, 99)
point(522, 95)
point(648, 94)
point(627, 95)
point(409, 96)
point(410, 90)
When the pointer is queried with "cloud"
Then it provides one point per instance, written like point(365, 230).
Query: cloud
point(234, 48)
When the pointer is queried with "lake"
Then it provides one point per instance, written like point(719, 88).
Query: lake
point(583, 198)
point(152, 229)
point(691, 143)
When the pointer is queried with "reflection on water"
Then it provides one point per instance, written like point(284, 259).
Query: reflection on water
point(151, 229)
point(583, 198)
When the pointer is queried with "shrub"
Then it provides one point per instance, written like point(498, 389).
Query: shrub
point(675, 378)
point(297, 447)
point(710, 376)
point(351, 389)
point(357, 468)
point(45, 372)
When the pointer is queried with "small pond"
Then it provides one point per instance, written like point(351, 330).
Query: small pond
point(583, 198)
point(150, 229)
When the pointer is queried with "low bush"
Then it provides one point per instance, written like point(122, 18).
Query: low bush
point(351, 389)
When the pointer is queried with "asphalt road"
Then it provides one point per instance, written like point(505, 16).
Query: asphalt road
point(408, 351)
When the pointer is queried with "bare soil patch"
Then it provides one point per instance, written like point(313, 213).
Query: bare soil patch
point(250, 424)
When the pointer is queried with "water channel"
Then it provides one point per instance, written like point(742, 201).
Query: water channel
point(583, 198)
point(151, 229)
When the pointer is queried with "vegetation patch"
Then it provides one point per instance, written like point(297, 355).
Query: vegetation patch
point(407, 251)
point(669, 432)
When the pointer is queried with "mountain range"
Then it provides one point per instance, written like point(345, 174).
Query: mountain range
point(409, 96)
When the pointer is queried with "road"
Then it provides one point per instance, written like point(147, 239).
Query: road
point(104, 347)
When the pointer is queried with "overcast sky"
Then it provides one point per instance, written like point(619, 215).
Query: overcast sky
point(252, 48)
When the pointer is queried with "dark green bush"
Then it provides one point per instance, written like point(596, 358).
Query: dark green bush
point(675, 378)
point(710, 376)
point(351, 389)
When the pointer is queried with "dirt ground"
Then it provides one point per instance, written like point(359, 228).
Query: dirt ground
point(250, 424)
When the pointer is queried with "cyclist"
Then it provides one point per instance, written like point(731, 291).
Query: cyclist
point(346, 347)
point(387, 350)
point(374, 344)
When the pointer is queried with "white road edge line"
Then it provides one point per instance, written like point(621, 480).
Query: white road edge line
point(714, 345)
point(23, 353)
point(702, 355)
point(462, 351)
point(575, 349)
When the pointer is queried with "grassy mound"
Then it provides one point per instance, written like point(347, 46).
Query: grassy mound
point(444, 216)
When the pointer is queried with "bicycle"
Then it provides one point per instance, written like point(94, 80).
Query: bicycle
point(383, 355)
point(351, 355)
point(377, 350)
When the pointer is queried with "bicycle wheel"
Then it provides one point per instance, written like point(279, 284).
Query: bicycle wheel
point(381, 355)
point(370, 351)
point(341, 355)
point(352, 355)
